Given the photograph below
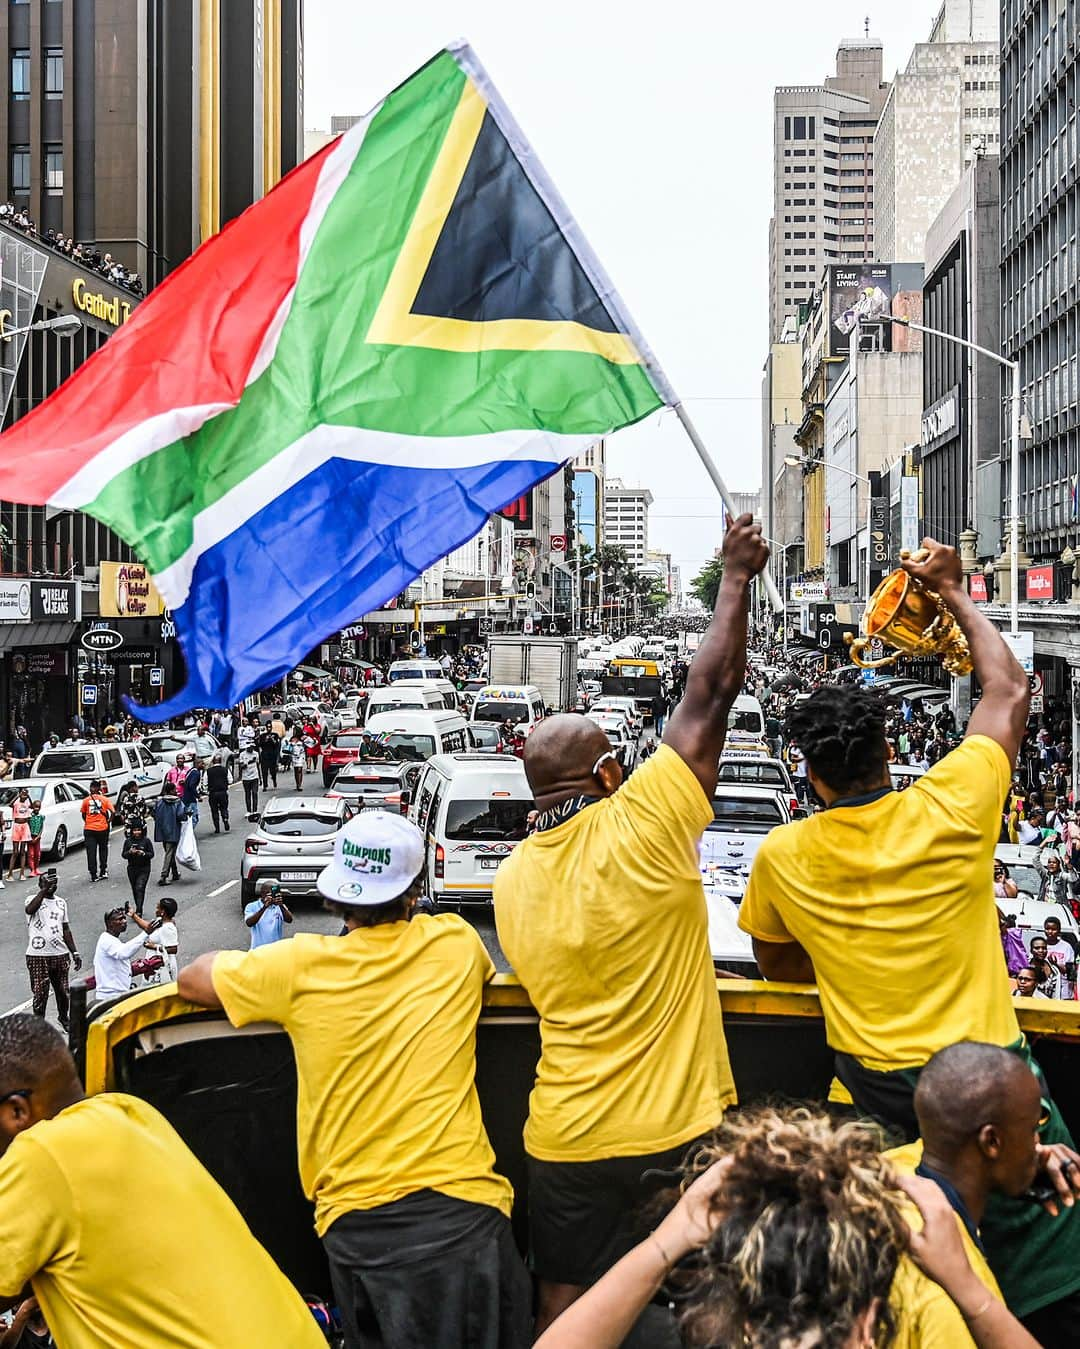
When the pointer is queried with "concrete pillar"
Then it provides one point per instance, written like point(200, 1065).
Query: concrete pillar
point(1002, 567)
point(969, 540)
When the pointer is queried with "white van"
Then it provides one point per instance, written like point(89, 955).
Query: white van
point(413, 736)
point(414, 669)
point(473, 810)
point(116, 763)
point(746, 721)
point(522, 704)
point(405, 695)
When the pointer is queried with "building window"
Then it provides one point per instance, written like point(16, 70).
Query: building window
point(54, 72)
point(20, 168)
point(20, 74)
point(54, 168)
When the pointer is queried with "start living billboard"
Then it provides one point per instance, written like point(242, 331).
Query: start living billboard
point(871, 294)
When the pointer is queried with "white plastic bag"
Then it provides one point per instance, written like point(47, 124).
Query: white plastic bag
point(187, 850)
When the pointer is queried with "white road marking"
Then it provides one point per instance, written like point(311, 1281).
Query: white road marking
point(222, 888)
point(22, 1007)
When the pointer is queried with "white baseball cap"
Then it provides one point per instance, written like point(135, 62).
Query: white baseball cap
point(377, 856)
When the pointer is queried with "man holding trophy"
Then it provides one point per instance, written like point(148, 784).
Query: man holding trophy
point(885, 900)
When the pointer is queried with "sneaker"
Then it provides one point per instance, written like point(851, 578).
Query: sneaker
point(104, 875)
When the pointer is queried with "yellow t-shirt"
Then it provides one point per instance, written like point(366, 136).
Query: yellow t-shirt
point(130, 1243)
point(383, 1026)
point(925, 1314)
point(603, 919)
point(894, 903)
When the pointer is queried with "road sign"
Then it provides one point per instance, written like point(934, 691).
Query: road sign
point(89, 694)
point(1037, 702)
point(101, 639)
point(558, 543)
point(528, 627)
point(157, 677)
point(1023, 648)
point(1036, 682)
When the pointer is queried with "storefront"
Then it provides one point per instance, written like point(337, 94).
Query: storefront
point(37, 627)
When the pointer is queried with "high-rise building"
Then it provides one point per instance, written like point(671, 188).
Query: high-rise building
point(340, 122)
point(144, 128)
point(941, 111)
point(1040, 321)
point(823, 176)
point(626, 519)
point(961, 422)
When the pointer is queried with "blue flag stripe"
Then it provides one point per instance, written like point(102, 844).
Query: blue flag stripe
point(304, 567)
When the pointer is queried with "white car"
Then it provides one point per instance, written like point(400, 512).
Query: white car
point(166, 745)
point(60, 804)
point(625, 705)
point(743, 771)
point(742, 816)
point(622, 739)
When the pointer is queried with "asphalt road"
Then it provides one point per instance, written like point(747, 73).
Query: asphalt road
point(209, 904)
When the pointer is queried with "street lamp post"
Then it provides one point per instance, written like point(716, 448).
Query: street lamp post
point(1014, 470)
point(794, 460)
point(63, 325)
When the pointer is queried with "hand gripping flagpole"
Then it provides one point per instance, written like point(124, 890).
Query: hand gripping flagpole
point(725, 496)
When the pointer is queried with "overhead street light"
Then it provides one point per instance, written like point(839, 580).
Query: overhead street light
point(1014, 474)
point(797, 461)
point(63, 325)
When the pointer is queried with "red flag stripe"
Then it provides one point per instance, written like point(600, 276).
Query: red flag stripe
point(191, 343)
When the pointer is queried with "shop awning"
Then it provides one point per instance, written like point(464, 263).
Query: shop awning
point(14, 635)
point(360, 664)
point(312, 672)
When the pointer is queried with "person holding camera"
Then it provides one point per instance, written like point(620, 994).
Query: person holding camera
point(50, 947)
point(267, 915)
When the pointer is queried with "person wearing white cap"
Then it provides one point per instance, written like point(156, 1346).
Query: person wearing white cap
point(393, 1150)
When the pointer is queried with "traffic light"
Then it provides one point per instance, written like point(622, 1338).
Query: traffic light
point(414, 639)
point(530, 590)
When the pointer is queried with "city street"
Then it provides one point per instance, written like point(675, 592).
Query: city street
point(209, 903)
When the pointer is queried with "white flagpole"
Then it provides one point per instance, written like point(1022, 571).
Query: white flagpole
point(725, 496)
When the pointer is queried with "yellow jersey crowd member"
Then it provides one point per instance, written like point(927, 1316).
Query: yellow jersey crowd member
point(104, 1264)
point(886, 900)
point(602, 916)
point(393, 1151)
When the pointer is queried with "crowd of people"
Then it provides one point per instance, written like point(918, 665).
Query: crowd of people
point(85, 255)
point(938, 1208)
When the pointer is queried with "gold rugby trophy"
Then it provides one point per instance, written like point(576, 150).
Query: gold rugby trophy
point(912, 618)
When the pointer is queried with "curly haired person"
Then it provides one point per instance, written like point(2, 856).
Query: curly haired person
point(801, 1236)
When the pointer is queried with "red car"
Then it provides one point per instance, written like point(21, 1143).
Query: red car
point(343, 749)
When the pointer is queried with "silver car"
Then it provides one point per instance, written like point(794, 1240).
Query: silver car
point(291, 844)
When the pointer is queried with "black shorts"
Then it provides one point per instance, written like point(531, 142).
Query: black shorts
point(585, 1216)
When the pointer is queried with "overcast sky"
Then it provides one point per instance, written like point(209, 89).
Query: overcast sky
point(656, 123)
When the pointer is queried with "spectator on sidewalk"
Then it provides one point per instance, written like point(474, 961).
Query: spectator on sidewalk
point(113, 957)
point(97, 813)
point(138, 852)
point(217, 792)
point(169, 815)
point(33, 849)
point(248, 764)
point(50, 948)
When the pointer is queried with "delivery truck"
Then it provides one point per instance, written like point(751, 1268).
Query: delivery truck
point(548, 662)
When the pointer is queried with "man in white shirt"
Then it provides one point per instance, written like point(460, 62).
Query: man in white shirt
point(50, 948)
point(112, 957)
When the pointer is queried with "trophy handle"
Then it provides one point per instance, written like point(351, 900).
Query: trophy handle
point(858, 645)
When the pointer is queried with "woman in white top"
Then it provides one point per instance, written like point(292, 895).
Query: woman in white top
point(163, 939)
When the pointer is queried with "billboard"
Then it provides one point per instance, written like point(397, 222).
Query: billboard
point(872, 293)
point(127, 591)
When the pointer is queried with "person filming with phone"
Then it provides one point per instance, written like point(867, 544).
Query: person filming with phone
point(267, 915)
